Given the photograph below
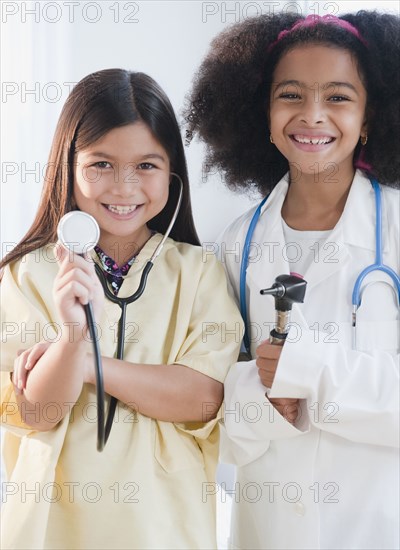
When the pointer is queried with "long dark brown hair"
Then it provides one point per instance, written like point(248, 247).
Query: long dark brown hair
point(100, 102)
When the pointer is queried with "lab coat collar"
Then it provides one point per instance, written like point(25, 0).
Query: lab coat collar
point(357, 222)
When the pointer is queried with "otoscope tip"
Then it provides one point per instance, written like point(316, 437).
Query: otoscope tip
point(272, 291)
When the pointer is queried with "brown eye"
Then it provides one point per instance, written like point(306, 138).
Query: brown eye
point(145, 166)
point(289, 96)
point(102, 165)
point(338, 98)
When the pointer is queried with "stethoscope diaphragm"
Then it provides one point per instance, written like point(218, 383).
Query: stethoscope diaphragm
point(78, 231)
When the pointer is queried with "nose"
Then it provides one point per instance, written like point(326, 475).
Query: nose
point(126, 180)
point(312, 111)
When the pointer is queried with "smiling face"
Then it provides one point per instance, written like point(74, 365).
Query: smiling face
point(122, 180)
point(317, 110)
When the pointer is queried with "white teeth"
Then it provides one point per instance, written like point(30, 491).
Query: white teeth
point(121, 209)
point(313, 141)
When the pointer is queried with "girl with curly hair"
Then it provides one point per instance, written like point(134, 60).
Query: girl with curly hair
point(306, 111)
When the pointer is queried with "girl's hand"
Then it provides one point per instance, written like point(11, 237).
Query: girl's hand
point(75, 285)
point(24, 363)
point(267, 362)
point(287, 407)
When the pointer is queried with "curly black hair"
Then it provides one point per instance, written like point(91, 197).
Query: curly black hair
point(228, 105)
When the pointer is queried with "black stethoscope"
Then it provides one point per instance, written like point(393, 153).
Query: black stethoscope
point(79, 233)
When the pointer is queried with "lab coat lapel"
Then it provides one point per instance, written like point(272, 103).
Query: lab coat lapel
point(269, 260)
point(358, 219)
point(354, 228)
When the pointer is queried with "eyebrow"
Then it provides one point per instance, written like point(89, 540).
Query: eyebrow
point(324, 86)
point(100, 154)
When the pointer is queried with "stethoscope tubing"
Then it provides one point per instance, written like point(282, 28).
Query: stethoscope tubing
point(243, 268)
point(100, 394)
point(378, 265)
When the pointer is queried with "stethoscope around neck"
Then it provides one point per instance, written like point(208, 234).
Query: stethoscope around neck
point(79, 233)
point(357, 293)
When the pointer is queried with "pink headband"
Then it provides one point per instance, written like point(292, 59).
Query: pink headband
point(312, 20)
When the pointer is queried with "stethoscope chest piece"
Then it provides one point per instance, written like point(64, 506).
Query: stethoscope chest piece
point(78, 232)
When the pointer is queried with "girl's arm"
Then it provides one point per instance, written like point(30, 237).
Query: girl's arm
point(54, 382)
point(172, 393)
point(58, 375)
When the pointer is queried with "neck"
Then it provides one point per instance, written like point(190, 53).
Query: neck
point(122, 249)
point(315, 202)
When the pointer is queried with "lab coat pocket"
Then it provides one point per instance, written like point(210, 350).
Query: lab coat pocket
point(383, 336)
point(176, 450)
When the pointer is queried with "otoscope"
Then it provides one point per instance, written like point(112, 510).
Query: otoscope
point(287, 290)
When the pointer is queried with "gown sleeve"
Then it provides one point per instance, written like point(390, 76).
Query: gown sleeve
point(25, 320)
point(214, 335)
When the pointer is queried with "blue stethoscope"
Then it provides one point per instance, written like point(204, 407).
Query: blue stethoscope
point(378, 265)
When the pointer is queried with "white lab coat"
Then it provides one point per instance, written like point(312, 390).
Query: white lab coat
point(331, 481)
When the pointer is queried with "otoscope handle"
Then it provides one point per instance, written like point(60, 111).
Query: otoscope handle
point(279, 333)
point(277, 338)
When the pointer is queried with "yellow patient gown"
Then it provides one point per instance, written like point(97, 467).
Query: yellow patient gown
point(149, 488)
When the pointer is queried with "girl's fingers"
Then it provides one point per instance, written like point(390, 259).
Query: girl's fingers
point(284, 401)
point(20, 373)
point(287, 407)
point(35, 354)
point(25, 361)
point(268, 351)
point(75, 276)
point(73, 291)
point(266, 364)
point(60, 252)
point(68, 260)
point(73, 267)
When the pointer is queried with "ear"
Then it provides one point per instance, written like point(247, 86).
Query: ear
point(368, 115)
point(364, 128)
